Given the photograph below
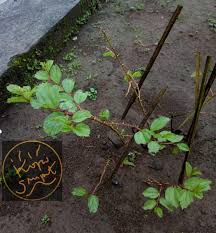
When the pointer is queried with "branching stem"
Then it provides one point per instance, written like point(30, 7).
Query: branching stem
point(131, 83)
point(101, 177)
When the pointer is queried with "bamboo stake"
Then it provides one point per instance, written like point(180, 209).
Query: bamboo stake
point(154, 57)
point(197, 77)
point(141, 125)
point(204, 90)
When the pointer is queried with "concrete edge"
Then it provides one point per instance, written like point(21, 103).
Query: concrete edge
point(19, 71)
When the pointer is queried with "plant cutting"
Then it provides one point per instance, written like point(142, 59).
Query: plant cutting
point(64, 100)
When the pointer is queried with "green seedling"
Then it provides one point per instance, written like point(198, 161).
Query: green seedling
point(70, 56)
point(212, 24)
point(74, 66)
point(92, 93)
point(138, 7)
point(92, 199)
point(45, 219)
point(89, 77)
point(165, 3)
point(130, 159)
point(119, 7)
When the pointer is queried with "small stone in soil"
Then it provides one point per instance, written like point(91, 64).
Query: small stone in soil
point(115, 182)
point(115, 140)
point(106, 145)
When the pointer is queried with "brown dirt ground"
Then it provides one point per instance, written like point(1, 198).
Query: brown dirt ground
point(121, 207)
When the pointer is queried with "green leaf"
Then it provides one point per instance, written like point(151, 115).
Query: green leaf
point(158, 211)
point(108, 53)
point(147, 134)
point(42, 75)
point(166, 204)
point(160, 138)
point(104, 115)
point(137, 74)
point(159, 123)
point(149, 205)
point(26, 88)
point(47, 96)
point(82, 130)
point(46, 66)
point(199, 195)
point(189, 169)
point(80, 96)
point(49, 65)
point(15, 89)
point(196, 172)
point(151, 193)
point(153, 147)
point(93, 203)
point(24, 94)
point(127, 78)
point(64, 97)
point(68, 106)
point(197, 184)
point(139, 138)
point(55, 74)
point(185, 199)
point(17, 99)
point(27, 95)
point(56, 123)
point(193, 75)
point(81, 116)
point(143, 136)
point(79, 192)
point(171, 137)
point(172, 195)
point(68, 85)
point(183, 147)
point(126, 162)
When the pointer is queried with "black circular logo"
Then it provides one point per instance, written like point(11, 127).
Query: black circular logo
point(32, 170)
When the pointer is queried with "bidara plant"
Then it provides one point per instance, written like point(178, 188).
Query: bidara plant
point(155, 138)
point(170, 196)
point(64, 101)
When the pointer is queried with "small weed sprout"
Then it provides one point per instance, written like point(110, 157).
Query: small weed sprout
point(74, 66)
point(89, 77)
point(45, 219)
point(138, 7)
point(130, 159)
point(70, 56)
point(165, 3)
point(212, 23)
point(92, 93)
